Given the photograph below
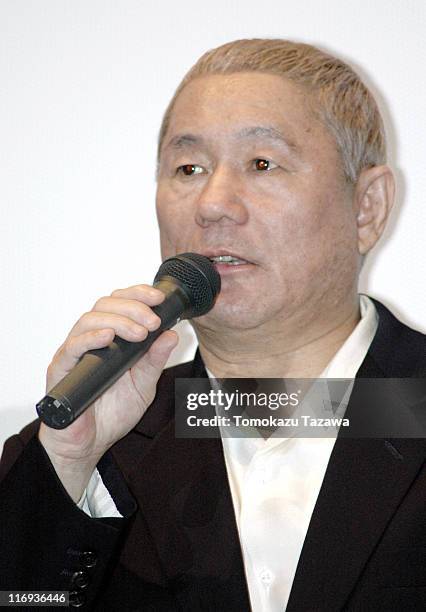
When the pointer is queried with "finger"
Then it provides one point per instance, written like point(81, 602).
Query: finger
point(132, 309)
point(123, 326)
point(143, 293)
point(70, 352)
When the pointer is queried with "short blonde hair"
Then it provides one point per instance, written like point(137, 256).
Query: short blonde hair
point(344, 103)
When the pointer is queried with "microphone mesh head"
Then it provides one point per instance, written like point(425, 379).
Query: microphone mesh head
point(199, 278)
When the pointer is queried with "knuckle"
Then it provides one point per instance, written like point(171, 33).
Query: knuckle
point(77, 345)
point(142, 291)
point(99, 303)
point(68, 346)
point(88, 320)
point(57, 357)
point(50, 370)
point(85, 316)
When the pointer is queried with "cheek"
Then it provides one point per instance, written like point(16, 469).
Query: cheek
point(175, 224)
point(311, 226)
point(328, 241)
point(165, 217)
point(321, 210)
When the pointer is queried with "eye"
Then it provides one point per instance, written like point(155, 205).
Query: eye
point(263, 165)
point(189, 169)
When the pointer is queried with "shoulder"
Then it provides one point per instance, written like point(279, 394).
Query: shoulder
point(397, 348)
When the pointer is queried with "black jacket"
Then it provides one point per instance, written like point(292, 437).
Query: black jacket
point(177, 547)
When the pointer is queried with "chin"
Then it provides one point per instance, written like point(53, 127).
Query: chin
point(238, 315)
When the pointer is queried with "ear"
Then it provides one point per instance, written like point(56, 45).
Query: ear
point(374, 198)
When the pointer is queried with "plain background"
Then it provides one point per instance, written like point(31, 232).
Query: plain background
point(83, 85)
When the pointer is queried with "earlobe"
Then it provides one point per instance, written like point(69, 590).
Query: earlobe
point(374, 195)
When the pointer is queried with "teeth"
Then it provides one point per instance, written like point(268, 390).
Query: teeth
point(228, 259)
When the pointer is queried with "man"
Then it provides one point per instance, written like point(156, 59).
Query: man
point(271, 163)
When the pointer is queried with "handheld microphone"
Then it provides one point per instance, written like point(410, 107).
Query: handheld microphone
point(191, 284)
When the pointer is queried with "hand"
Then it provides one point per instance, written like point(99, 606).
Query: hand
point(76, 450)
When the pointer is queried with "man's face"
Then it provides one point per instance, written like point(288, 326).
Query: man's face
point(247, 171)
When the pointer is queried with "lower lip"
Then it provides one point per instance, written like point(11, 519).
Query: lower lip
point(225, 269)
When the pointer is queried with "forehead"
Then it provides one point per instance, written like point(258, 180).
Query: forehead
point(217, 107)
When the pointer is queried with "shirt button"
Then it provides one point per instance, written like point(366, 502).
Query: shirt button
point(266, 577)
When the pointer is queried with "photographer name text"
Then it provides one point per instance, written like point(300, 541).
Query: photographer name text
point(270, 421)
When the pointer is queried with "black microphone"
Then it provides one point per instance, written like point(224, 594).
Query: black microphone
point(191, 284)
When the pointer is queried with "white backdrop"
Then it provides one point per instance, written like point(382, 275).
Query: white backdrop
point(83, 87)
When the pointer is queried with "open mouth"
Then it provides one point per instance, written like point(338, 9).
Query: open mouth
point(229, 260)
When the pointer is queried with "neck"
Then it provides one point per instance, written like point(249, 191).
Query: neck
point(286, 349)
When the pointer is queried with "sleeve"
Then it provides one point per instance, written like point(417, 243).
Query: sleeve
point(46, 541)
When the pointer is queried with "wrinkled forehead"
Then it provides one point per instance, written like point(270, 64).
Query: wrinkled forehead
point(236, 105)
point(243, 107)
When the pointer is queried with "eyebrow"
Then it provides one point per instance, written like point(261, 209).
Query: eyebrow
point(267, 132)
point(182, 141)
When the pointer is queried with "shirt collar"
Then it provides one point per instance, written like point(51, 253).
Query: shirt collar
point(348, 359)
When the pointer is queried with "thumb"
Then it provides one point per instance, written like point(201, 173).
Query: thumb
point(147, 371)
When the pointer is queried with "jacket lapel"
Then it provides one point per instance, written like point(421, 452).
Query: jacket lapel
point(363, 486)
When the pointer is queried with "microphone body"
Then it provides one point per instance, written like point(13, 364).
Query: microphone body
point(190, 283)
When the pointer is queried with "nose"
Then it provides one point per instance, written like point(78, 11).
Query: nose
point(222, 200)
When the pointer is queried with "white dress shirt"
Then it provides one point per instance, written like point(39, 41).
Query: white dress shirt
point(274, 484)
